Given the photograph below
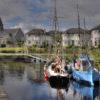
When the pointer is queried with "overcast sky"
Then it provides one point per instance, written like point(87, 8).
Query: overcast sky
point(29, 14)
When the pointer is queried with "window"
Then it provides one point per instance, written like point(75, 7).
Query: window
point(73, 43)
point(85, 64)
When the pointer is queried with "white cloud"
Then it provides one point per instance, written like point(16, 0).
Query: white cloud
point(36, 13)
point(25, 27)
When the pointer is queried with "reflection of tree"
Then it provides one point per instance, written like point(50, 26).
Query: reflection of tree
point(15, 68)
point(35, 73)
point(18, 71)
point(1, 77)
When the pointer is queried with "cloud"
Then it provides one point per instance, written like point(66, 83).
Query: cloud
point(26, 27)
point(39, 13)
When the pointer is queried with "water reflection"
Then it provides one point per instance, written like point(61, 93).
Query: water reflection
point(1, 75)
point(35, 73)
point(24, 81)
point(86, 93)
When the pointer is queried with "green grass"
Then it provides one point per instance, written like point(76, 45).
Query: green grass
point(68, 53)
point(9, 49)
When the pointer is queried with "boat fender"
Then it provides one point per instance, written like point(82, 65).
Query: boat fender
point(45, 75)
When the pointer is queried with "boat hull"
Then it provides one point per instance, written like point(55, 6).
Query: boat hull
point(58, 82)
point(91, 77)
point(89, 92)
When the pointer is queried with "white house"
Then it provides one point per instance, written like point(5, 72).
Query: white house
point(70, 37)
point(95, 37)
point(76, 37)
point(37, 37)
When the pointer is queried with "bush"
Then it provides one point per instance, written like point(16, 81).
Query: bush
point(3, 45)
point(99, 46)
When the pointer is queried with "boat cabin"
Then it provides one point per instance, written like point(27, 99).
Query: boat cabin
point(83, 63)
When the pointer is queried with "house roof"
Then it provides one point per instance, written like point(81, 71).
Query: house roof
point(96, 28)
point(36, 32)
point(76, 31)
point(7, 32)
point(52, 32)
point(12, 31)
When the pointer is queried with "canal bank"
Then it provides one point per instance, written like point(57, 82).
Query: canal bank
point(22, 57)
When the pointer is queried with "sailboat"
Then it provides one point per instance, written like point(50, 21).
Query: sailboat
point(83, 69)
point(56, 68)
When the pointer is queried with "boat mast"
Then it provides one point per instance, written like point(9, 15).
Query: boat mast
point(55, 20)
point(84, 42)
point(55, 25)
point(78, 18)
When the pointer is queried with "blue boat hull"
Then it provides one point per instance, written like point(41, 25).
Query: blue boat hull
point(89, 92)
point(89, 77)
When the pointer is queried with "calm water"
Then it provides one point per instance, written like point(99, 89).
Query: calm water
point(26, 82)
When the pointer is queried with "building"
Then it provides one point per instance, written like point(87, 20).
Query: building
point(76, 37)
point(95, 36)
point(15, 36)
point(3, 39)
point(37, 37)
point(3, 35)
point(10, 37)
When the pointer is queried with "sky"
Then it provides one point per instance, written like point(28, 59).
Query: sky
point(29, 14)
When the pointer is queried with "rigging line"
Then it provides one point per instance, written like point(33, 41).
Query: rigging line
point(73, 5)
point(79, 31)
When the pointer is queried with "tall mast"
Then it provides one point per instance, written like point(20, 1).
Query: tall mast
point(78, 18)
point(55, 21)
point(78, 15)
point(85, 40)
point(84, 23)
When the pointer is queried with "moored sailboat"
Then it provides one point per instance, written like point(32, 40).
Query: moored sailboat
point(84, 71)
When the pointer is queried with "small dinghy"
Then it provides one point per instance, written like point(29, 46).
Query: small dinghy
point(84, 71)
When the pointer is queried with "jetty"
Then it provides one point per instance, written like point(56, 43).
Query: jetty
point(33, 57)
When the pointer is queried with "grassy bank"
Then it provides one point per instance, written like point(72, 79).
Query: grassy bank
point(45, 53)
